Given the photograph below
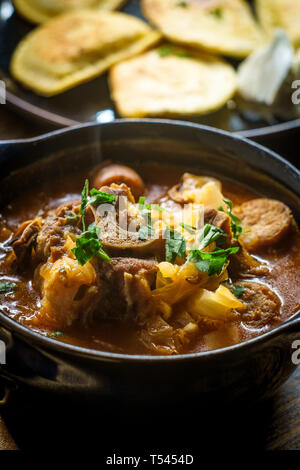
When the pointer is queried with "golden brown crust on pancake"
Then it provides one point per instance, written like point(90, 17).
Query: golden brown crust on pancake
point(219, 26)
point(184, 83)
point(77, 46)
point(40, 11)
point(284, 14)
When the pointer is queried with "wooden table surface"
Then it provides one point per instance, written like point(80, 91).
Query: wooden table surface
point(274, 425)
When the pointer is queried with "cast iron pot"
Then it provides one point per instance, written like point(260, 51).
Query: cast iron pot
point(248, 371)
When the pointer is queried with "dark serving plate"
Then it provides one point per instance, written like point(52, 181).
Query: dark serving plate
point(91, 101)
point(250, 370)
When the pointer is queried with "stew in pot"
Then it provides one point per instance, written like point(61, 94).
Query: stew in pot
point(154, 263)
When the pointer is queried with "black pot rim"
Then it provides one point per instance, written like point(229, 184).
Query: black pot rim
point(52, 344)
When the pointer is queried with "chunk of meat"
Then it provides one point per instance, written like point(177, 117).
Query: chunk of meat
point(126, 288)
point(38, 239)
point(68, 209)
point(263, 305)
point(242, 264)
point(51, 238)
point(120, 174)
point(218, 219)
point(132, 266)
point(120, 230)
point(120, 242)
point(119, 190)
point(267, 220)
point(25, 239)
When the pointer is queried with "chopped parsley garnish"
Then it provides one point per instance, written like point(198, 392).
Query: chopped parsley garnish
point(99, 197)
point(182, 4)
point(73, 218)
point(238, 291)
point(145, 209)
point(84, 202)
point(54, 334)
point(96, 197)
point(175, 245)
point(188, 228)
point(217, 13)
point(145, 231)
point(142, 200)
point(7, 287)
point(165, 51)
point(235, 221)
point(213, 262)
point(88, 246)
point(210, 234)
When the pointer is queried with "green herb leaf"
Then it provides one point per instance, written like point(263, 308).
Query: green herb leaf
point(188, 228)
point(94, 229)
point(175, 245)
point(96, 197)
point(141, 202)
point(88, 246)
point(145, 232)
point(84, 201)
point(100, 197)
point(238, 291)
point(213, 262)
point(145, 209)
point(165, 51)
point(235, 221)
point(182, 4)
point(210, 234)
point(73, 218)
point(217, 13)
point(7, 287)
point(54, 334)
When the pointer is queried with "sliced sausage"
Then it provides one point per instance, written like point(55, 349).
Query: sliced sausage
point(262, 305)
point(120, 174)
point(267, 220)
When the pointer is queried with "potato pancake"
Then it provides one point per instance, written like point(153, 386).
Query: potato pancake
point(39, 11)
point(77, 46)
point(220, 26)
point(171, 81)
point(283, 14)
